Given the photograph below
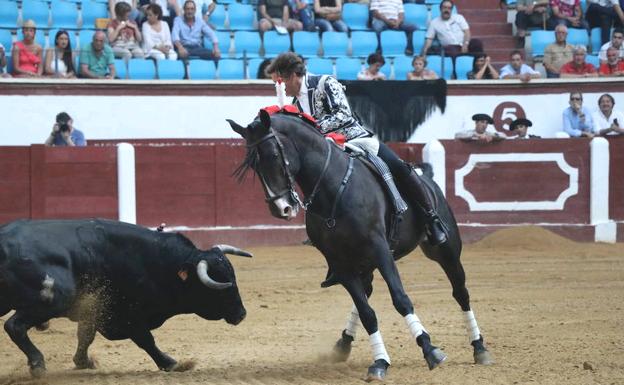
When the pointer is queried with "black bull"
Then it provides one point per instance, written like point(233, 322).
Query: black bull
point(351, 230)
point(116, 278)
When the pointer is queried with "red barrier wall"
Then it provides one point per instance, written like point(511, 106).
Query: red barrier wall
point(616, 178)
point(14, 183)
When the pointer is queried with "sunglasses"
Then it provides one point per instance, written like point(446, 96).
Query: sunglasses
point(576, 99)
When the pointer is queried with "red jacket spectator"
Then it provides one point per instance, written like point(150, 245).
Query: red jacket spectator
point(607, 69)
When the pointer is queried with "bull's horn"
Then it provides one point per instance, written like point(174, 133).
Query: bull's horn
point(227, 249)
point(202, 273)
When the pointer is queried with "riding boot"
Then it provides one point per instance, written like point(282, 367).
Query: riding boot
point(436, 233)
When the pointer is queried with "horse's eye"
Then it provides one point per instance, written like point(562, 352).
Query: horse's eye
point(276, 155)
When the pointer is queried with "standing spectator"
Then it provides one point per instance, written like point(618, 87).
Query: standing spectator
point(604, 14)
point(188, 35)
point(480, 133)
point(608, 121)
point(124, 35)
point(529, 14)
point(578, 67)
point(302, 11)
point(577, 120)
point(389, 14)
point(421, 72)
point(275, 13)
point(482, 68)
point(520, 127)
point(452, 31)
point(614, 65)
point(64, 134)
point(97, 60)
point(558, 53)
point(516, 69)
point(617, 41)
point(27, 54)
point(329, 16)
point(157, 42)
point(375, 61)
point(566, 12)
point(59, 61)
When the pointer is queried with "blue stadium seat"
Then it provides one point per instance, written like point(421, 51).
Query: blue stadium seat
point(393, 43)
point(577, 36)
point(595, 39)
point(6, 39)
point(417, 14)
point(306, 43)
point(335, 44)
point(141, 69)
point(434, 63)
point(386, 69)
point(9, 66)
point(39, 37)
point(226, 1)
point(252, 67)
point(247, 42)
point(8, 14)
point(202, 70)
point(594, 60)
point(64, 14)
point(402, 65)
point(37, 11)
point(363, 43)
point(348, 68)
point(355, 15)
point(92, 10)
point(418, 40)
point(320, 66)
point(85, 37)
point(463, 65)
point(241, 16)
point(217, 17)
point(539, 41)
point(274, 43)
point(224, 42)
point(170, 69)
point(121, 69)
point(231, 69)
point(72, 38)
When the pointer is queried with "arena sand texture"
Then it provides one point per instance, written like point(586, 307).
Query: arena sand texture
point(551, 311)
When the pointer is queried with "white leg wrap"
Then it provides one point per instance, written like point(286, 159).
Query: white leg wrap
point(471, 325)
point(352, 322)
point(414, 325)
point(379, 349)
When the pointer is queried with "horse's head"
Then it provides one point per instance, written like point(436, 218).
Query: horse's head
point(275, 162)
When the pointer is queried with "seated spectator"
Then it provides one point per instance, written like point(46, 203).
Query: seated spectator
point(453, 33)
point(520, 127)
point(124, 35)
point(480, 133)
point(567, 12)
point(558, 53)
point(389, 14)
point(578, 67)
point(157, 42)
point(421, 72)
point(530, 13)
point(27, 54)
point(516, 69)
point(262, 74)
point(97, 60)
point(608, 121)
point(302, 11)
point(329, 16)
point(203, 10)
point(188, 35)
point(276, 13)
point(617, 41)
point(604, 14)
point(482, 68)
point(59, 61)
point(614, 65)
point(64, 134)
point(577, 120)
point(134, 13)
point(375, 61)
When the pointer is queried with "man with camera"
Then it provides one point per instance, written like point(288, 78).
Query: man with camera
point(64, 134)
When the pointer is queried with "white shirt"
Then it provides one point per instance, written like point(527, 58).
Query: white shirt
point(509, 70)
point(448, 32)
point(58, 65)
point(151, 38)
point(388, 8)
point(302, 98)
point(605, 3)
point(605, 47)
point(601, 122)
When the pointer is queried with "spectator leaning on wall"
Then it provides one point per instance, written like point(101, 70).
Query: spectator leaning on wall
point(577, 120)
point(64, 134)
point(480, 133)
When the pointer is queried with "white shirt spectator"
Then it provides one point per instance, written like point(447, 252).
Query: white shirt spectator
point(388, 8)
point(524, 69)
point(605, 47)
point(448, 32)
point(201, 7)
point(605, 3)
point(601, 122)
point(152, 38)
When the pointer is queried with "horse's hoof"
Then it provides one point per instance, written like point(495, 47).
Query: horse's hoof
point(483, 358)
point(89, 363)
point(342, 348)
point(377, 371)
point(183, 366)
point(434, 358)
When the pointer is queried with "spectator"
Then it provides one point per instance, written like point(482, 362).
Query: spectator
point(375, 61)
point(188, 35)
point(276, 14)
point(133, 13)
point(614, 65)
point(27, 54)
point(389, 14)
point(558, 53)
point(124, 35)
point(608, 121)
point(156, 35)
point(604, 14)
point(304, 13)
point(480, 133)
point(97, 60)
point(59, 61)
point(566, 12)
point(578, 67)
point(203, 9)
point(262, 74)
point(617, 40)
point(520, 127)
point(64, 134)
point(577, 120)
point(529, 14)
point(482, 68)
point(516, 69)
point(421, 72)
point(329, 16)
point(168, 9)
point(452, 31)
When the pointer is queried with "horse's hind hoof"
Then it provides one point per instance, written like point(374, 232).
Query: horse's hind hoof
point(434, 358)
point(342, 348)
point(377, 371)
point(483, 358)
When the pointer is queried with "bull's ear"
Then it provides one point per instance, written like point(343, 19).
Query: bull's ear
point(265, 119)
point(240, 130)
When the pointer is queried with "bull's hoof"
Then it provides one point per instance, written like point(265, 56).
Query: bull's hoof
point(483, 358)
point(342, 348)
point(377, 371)
point(434, 358)
point(43, 326)
point(88, 363)
point(183, 366)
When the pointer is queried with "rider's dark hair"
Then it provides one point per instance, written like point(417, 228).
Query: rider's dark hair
point(286, 64)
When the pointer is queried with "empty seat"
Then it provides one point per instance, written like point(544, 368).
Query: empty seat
point(402, 65)
point(37, 11)
point(335, 44)
point(85, 37)
point(418, 41)
point(92, 10)
point(393, 43)
point(224, 42)
point(241, 16)
point(463, 65)
point(355, 15)
point(231, 69)
point(121, 69)
point(217, 17)
point(306, 43)
point(363, 43)
point(274, 43)
point(577, 36)
point(202, 70)
point(64, 14)
point(539, 41)
point(170, 69)
point(417, 14)
point(6, 39)
point(8, 14)
point(141, 69)
point(320, 66)
point(348, 68)
point(593, 60)
point(434, 63)
point(247, 43)
point(252, 67)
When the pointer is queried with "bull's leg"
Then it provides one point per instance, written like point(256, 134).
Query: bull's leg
point(17, 328)
point(86, 335)
point(145, 340)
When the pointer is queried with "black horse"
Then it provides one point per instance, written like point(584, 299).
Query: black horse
point(349, 222)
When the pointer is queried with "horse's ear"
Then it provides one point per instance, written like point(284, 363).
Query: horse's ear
point(265, 119)
point(240, 130)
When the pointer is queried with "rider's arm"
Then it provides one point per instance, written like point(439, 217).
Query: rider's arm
point(340, 114)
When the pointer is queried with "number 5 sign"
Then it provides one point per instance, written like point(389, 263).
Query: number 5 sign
point(504, 114)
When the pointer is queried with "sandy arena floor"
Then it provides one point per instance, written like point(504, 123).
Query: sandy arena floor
point(551, 312)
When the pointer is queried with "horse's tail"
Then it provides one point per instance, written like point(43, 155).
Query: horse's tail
point(426, 168)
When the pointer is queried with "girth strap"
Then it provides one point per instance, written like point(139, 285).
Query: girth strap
point(331, 221)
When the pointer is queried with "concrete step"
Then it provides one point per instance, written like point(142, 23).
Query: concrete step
point(477, 4)
point(480, 29)
point(500, 54)
point(485, 15)
point(489, 41)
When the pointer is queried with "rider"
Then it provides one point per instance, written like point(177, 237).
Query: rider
point(324, 98)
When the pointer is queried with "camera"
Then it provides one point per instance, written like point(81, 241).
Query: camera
point(63, 127)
